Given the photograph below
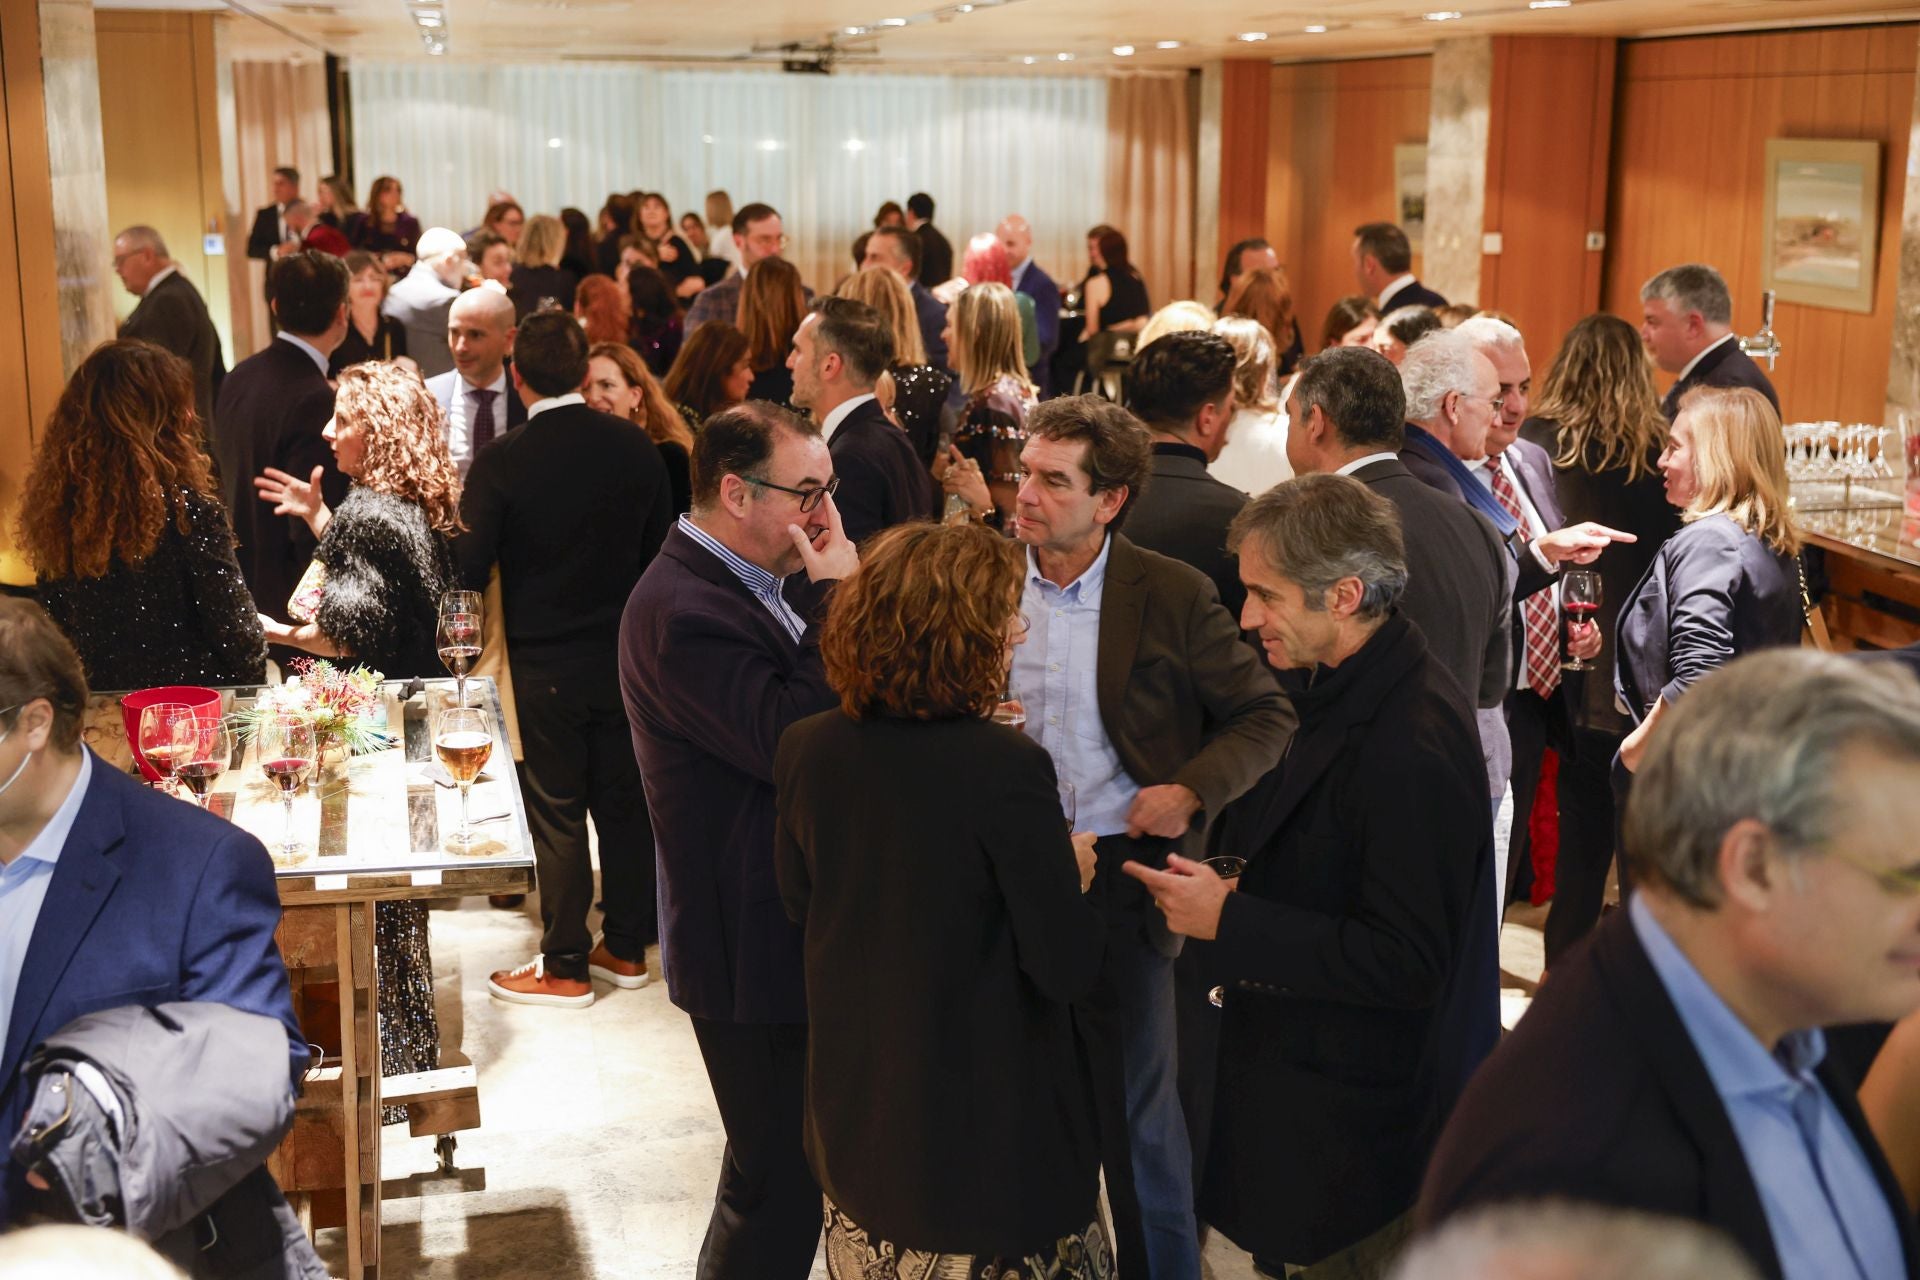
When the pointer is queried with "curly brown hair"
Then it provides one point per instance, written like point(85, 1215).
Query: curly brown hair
point(121, 450)
point(662, 421)
point(919, 632)
point(406, 440)
point(604, 309)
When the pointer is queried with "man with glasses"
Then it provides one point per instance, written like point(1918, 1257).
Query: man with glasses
point(757, 233)
point(719, 653)
point(1675, 1063)
point(171, 312)
point(841, 349)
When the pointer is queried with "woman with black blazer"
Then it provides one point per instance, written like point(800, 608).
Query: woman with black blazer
point(949, 1110)
point(1729, 582)
point(1598, 417)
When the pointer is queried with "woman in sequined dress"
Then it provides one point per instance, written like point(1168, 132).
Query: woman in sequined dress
point(124, 526)
point(983, 335)
point(919, 391)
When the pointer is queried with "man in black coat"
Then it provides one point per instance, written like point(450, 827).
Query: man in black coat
point(936, 255)
point(1356, 963)
point(1181, 387)
point(1687, 323)
point(841, 349)
point(271, 411)
point(1383, 264)
point(171, 313)
point(1675, 1063)
point(270, 221)
point(572, 505)
point(719, 653)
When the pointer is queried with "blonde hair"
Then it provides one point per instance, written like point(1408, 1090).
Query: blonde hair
point(887, 293)
point(1599, 388)
point(1740, 461)
point(1175, 317)
point(543, 242)
point(58, 1251)
point(1255, 361)
point(986, 338)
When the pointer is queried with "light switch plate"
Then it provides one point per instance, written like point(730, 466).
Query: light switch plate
point(1490, 242)
point(214, 244)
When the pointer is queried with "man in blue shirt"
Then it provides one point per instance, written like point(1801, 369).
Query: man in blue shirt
point(1676, 1063)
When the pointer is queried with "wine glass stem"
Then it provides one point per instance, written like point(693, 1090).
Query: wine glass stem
point(466, 837)
point(286, 844)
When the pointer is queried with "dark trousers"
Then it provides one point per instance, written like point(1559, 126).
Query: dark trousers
point(579, 761)
point(1589, 827)
point(1534, 723)
point(767, 1210)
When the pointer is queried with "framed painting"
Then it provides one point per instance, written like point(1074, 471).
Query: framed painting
point(1410, 191)
point(1822, 223)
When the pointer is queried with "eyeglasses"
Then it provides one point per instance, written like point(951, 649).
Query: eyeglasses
point(1498, 402)
point(809, 498)
point(1893, 882)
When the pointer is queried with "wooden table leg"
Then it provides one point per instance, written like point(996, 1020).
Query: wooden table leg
point(360, 1086)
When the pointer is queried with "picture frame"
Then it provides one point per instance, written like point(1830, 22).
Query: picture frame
point(1410, 191)
point(1820, 239)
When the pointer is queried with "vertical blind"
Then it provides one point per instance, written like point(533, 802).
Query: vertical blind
point(825, 151)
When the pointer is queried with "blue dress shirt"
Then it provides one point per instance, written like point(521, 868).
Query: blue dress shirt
point(1055, 674)
point(313, 352)
point(1827, 1213)
point(764, 586)
point(23, 888)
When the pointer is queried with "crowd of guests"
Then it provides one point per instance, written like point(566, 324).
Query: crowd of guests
point(1052, 777)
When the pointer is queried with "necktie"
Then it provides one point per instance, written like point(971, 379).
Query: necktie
point(482, 419)
point(1538, 619)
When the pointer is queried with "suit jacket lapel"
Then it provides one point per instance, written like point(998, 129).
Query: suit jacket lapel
point(1123, 599)
point(83, 878)
point(1306, 760)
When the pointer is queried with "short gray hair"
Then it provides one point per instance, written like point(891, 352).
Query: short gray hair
point(1439, 363)
point(1693, 286)
point(1492, 337)
point(1572, 1242)
point(142, 236)
point(1316, 530)
point(1761, 738)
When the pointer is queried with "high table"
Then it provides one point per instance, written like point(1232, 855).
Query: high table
point(373, 830)
point(1870, 556)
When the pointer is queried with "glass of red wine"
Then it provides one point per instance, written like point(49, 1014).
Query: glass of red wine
point(211, 753)
point(462, 740)
point(166, 737)
point(459, 637)
point(1579, 601)
point(285, 747)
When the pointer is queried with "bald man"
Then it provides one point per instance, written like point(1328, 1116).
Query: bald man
point(171, 312)
point(1016, 237)
point(475, 395)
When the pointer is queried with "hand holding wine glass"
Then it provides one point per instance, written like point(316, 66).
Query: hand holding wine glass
point(462, 740)
point(460, 637)
point(1580, 596)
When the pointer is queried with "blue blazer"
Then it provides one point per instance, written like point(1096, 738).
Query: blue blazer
point(1039, 286)
point(185, 910)
point(711, 680)
point(1713, 593)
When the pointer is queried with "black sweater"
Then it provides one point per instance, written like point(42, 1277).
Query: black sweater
point(386, 571)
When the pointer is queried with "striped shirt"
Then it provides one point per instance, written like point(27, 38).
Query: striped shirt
point(764, 586)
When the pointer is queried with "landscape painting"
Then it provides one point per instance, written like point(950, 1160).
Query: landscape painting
point(1822, 222)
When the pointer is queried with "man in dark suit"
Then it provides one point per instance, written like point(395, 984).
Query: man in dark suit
point(899, 252)
point(1383, 264)
point(719, 653)
point(1181, 387)
point(1687, 319)
point(1675, 1063)
point(1356, 961)
point(476, 394)
point(572, 507)
point(270, 229)
point(935, 263)
point(1137, 683)
point(110, 894)
point(271, 411)
point(1016, 237)
point(171, 313)
point(841, 348)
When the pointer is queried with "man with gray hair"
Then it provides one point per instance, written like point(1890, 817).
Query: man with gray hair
point(422, 300)
point(1686, 322)
point(171, 313)
point(1356, 961)
point(1675, 1063)
point(1553, 1240)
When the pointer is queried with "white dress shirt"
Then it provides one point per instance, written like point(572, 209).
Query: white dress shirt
point(460, 410)
point(169, 270)
point(1720, 341)
point(839, 415)
point(539, 407)
point(1367, 461)
point(1394, 286)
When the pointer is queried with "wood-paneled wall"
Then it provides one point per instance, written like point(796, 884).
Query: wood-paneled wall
point(1330, 167)
point(1692, 120)
point(1246, 123)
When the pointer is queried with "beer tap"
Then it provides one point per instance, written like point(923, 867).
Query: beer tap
point(1764, 345)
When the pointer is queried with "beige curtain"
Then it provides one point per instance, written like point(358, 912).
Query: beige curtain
point(1150, 176)
point(280, 113)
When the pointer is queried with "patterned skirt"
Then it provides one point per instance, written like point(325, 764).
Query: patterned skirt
point(852, 1254)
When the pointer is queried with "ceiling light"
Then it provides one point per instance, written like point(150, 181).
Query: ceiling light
point(893, 22)
point(1549, 4)
point(1064, 57)
point(853, 31)
point(1316, 29)
point(1251, 37)
point(1123, 51)
point(964, 8)
point(1441, 15)
point(1166, 44)
point(429, 19)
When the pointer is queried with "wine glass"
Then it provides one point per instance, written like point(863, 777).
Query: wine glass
point(1580, 599)
point(285, 746)
point(462, 741)
point(166, 737)
point(212, 752)
point(1010, 711)
point(459, 637)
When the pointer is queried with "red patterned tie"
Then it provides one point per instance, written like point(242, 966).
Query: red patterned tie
point(1537, 615)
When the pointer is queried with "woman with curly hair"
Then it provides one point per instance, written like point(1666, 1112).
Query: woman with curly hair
point(385, 553)
point(602, 308)
point(713, 371)
point(619, 383)
point(907, 920)
point(123, 522)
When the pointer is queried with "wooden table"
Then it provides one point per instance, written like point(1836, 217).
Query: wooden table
point(373, 829)
point(1870, 572)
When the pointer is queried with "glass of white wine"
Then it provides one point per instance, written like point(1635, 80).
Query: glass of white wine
point(463, 741)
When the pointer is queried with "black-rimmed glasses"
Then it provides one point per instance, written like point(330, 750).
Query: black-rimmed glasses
point(809, 498)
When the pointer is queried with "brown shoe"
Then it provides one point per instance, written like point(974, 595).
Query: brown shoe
point(532, 984)
point(628, 975)
point(506, 901)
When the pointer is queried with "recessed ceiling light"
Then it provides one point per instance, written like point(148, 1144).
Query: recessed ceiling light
point(1316, 29)
point(1251, 37)
point(853, 31)
point(1441, 15)
point(963, 8)
point(1029, 60)
point(893, 22)
point(1064, 57)
point(1123, 51)
point(1549, 4)
point(1166, 44)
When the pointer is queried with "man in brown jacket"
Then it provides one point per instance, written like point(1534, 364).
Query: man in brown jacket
point(1135, 680)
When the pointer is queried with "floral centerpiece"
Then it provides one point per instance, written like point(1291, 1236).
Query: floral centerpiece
point(335, 699)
